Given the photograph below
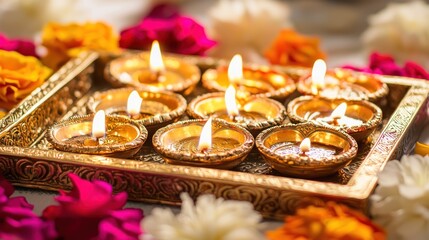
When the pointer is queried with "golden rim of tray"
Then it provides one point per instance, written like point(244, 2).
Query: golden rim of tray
point(274, 196)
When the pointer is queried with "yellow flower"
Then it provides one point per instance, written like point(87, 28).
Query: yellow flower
point(19, 76)
point(291, 48)
point(65, 41)
point(332, 222)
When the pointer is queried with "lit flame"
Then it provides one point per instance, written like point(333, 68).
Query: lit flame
point(339, 111)
point(318, 73)
point(134, 103)
point(155, 62)
point(230, 102)
point(305, 145)
point(205, 142)
point(99, 124)
point(235, 68)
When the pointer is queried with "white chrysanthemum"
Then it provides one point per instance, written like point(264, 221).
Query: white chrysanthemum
point(118, 14)
point(401, 201)
point(246, 26)
point(25, 18)
point(401, 29)
point(208, 219)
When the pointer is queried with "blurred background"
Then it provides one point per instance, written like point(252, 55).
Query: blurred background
point(339, 23)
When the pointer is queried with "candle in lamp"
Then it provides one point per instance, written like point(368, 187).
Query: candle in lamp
point(209, 143)
point(151, 71)
point(134, 103)
point(156, 64)
point(98, 134)
point(358, 118)
point(255, 114)
point(315, 151)
point(249, 80)
point(305, 145)
point(151, 109)
point(126, 102)
point(232, 113)
point(319, 79)
point(318, 73)
point(205, 142)
point(341, 84)
point(230, 103)
point(235, 69)
point(235, 78)
point(327, 152)
point(337, 117)
point(99, 125)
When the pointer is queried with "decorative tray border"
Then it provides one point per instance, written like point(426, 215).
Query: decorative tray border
point(273, 196)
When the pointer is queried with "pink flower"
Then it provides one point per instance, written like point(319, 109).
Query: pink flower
point(24, 47)
point(123, 224)
point(176, 33)
point(414, 70)
point(17, 220)
point(91, 211)
point(385, 64)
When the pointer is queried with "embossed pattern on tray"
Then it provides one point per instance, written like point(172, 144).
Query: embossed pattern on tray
point(147, 178)
point(254, 163)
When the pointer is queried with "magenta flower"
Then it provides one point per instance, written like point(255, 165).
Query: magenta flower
point(414, 70)
point(385, 65)
point(123, 224)
point(175, 33)
point(24, 47)
point(17, 220)
point(91, 211)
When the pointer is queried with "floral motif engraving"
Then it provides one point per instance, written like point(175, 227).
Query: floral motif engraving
point(24, 124)
point(148, 178)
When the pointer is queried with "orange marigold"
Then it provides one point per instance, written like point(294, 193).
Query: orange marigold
point(332, 222)
point(292, 48)
point(19, 76)
point(64, 41)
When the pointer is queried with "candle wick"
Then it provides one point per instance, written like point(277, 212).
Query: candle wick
point(99, 140)
point(205, 150)
point(157, 76)
point(335, 120)
point(135, 116)
point(235, 117)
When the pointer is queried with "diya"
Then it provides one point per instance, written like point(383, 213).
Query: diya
point(357, 118)
point(113, 136)
point(151, 109)
point(422, 144)
point(152, 72)
point(250, 80)
point(342, 84)
point(254, 114)
point(210, 143)
point(306, 150)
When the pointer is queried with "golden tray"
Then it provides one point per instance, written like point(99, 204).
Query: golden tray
point(27, 159)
